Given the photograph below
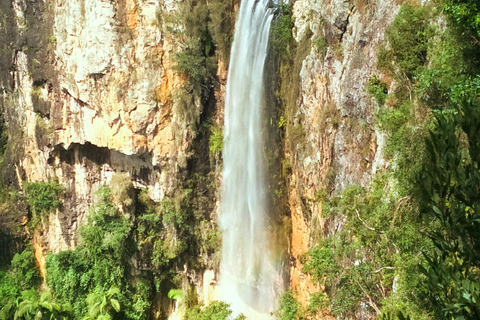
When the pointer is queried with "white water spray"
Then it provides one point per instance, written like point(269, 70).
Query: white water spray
point(250, 276)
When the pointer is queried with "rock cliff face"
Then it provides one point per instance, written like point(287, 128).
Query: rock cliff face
point(88, 89)
point(89, 93)
point(342, 146)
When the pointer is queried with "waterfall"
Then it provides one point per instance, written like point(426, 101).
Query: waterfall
point(250, 275)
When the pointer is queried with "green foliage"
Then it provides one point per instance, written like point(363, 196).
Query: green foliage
point(433, 162)
point(321, 263)
point(377, 89)
point(221, 26)
point(24, 271)
point(36, 90)
point(160, 231)
point(43, 198)
point(288, 308)
point(207, 36)
point(52, 39)
point(281, 30)
point(394, 316)
point(69, 274)
point(32, 306)
point(291, 57)
point(198, 67)
point(408, 38)
point(102, 304)
point(217, 310)
point(318, 301)
point(141, 302)
point(171, 242)
point(179, 229)
point(175, 294)
point(362, 261)
point(21, 275)
point(98, 263)
point(322, 46)
point(464, 13)
point(216, 140)
point(106, 232)
point(450, 194)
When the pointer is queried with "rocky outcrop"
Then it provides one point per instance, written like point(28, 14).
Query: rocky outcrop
point(89, 89)
point(342, 146)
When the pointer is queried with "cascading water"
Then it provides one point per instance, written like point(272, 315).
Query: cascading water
point(250, 276)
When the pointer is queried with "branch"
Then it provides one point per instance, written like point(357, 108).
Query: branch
point(475, 40)
point(383, 268)
point(400, 203)
point(365, 225)
point(371, 302)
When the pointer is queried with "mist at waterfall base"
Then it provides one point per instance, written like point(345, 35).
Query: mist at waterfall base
point(250, 275)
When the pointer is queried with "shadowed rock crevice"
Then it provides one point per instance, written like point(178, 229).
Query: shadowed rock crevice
point(87, 163)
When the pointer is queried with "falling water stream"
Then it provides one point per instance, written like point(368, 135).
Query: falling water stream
point(250, 275)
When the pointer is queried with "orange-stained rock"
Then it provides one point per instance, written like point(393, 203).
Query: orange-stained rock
point(132, 18)
point(39, 256)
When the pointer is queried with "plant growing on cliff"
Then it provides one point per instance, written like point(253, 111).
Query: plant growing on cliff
point(102, 304)
point(363, 261)
point(123, 194)
point(408, 38)
point(282, 30)
point(196, 65)
point(43, 199)
point(98, 262)
point(377, 89)
point(217, 310)
point(449, 185)
point(21, 275)
point(32, 305)
point(465, 14)
point(289, 308)
point(215, 143)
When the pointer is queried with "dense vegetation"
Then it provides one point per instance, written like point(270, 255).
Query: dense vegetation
point(129, 254)
point(409, 245)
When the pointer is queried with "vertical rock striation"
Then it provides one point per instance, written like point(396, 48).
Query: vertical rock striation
point(342, 145)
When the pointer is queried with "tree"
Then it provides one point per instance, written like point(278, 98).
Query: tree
point(464, 13)
point(450, 186)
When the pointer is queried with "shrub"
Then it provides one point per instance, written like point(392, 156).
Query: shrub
point(221, 24)
point(377, 89)
point(43, 198)
point(217, 310)
point(322, 46)
point(22, 274)
point(288, 308)
point(281, 30)
point(408, 38)
point(98, 262)
point(198, 68)
point(216, 140)
point(196, 60)
point(464, 13)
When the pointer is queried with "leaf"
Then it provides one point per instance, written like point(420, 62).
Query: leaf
point(175, 294)
point(115, 304)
